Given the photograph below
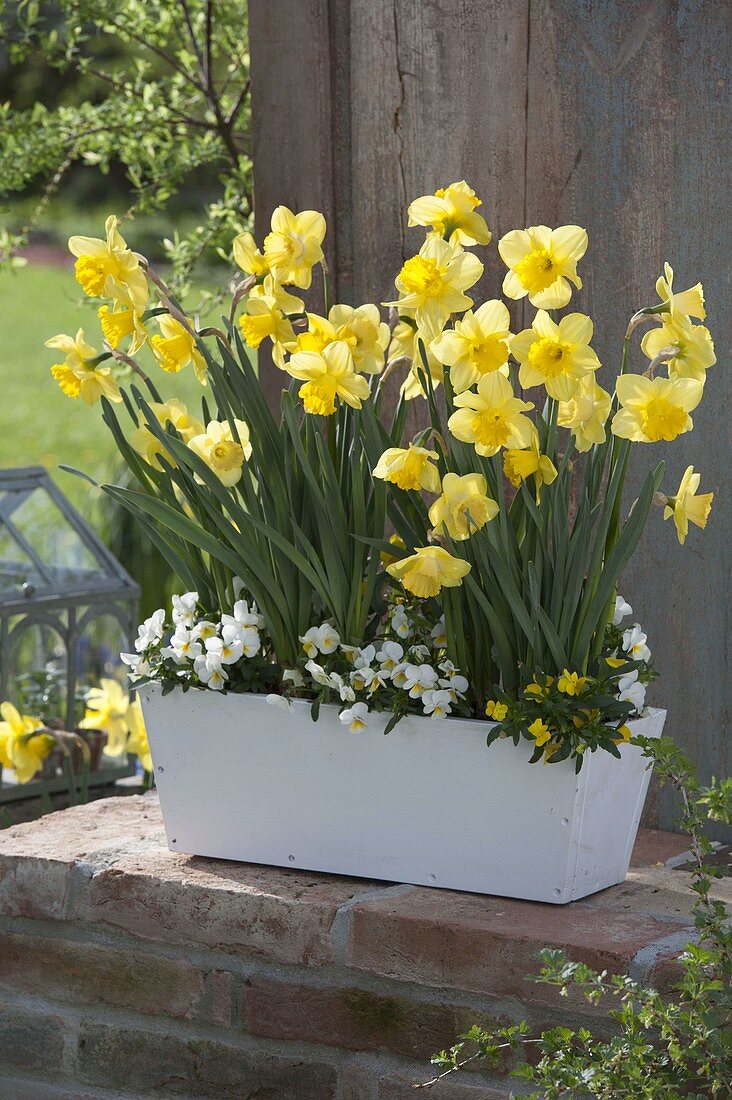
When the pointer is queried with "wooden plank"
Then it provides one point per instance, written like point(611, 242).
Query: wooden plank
point(628, 135)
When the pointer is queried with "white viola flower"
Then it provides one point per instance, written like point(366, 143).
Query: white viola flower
point(418, 679)
point(204, 629)
point(345, 691)
point(437, 703)
point(455, 685)
point(246, 636)
point(438, 634)
point(399, 674)
point(350, 652)
point(151, 631)
point(293, 676)
point(208, 669)
point(184, 609)
point(631, 691)
point(280, 701)
point(355, 717)
point(226, 653)
point(372, 679)
point(243, 617)
point(364, 657)
point(622, 610)
point(318, 673)
point(183, 646)
point(138, 665)
point(400, 623)
point(634, 643)
point(389, 656)
point(320, 639)
point(419, 653)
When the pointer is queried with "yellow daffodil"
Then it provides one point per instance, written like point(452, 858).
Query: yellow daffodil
point(491, 418)
point(221, 452)
point(686, 506)
point(540, 731)
point(554, 355)
point(571, 683)
point(248, 257)
point(477, 345)
point(328, 375)
point(78, 376)
point(294, 245)
point(586, 413)
point(21, 747)
point(108, 269)
point(401, 344)
point(450, 213)
point(496, 711)
point(264, 318)
point(687, 303)
point(176, 347)
point(522, 463)
point(145, 443)
point(118, 324)
point(415, 384)
point(319, 333)
point(107, 709)
point(428, 570)
point(433, 283)
point(464, 506)
point(693, 343)
point(395, 540)
point(365, 333)
point(410, 468)
point(542, 263)
point(654, 409)
point(137, 742)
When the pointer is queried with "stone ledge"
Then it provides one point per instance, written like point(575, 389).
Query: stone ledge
point(314, 985)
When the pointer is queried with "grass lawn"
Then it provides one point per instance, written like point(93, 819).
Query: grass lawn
point(39, 425)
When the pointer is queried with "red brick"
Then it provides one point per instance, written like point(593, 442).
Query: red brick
point(401, 1087)
point(65, 970)
point(356, 1019)
point(486, 944)
point(30, 1041)
point(171, 1064)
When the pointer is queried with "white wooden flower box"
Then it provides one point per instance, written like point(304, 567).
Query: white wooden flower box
point(429, 804)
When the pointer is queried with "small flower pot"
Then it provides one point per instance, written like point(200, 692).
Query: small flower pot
point(429, 804)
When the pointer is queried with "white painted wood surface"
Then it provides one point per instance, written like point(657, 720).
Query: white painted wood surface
point(430, 804)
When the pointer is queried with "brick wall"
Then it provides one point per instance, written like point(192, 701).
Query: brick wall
point(130, 971)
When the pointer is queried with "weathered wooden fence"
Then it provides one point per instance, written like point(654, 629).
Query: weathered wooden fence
point(613, 114)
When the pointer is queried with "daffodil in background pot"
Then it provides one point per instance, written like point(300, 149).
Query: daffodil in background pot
point(455, 588)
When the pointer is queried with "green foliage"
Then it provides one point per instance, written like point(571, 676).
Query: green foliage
point(663, 1048)
point(168, 98)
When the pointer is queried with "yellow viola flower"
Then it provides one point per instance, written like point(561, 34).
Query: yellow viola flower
point(542, 263)
point(144, 443)
point(410, 468)
point(540, 689)
point(19, 748)
point(556, 356)
point(293, 246)
point(78, 376)
point(428, 570)
point(364, 332)
point(118, 324)
point(687, 303)
point(625, 734)
point(137, 742)
point(450, 213)
point(328, 375)
point(571, 683)
point(522, 463)
point(496, 711)
point(433, 283)
point(654, 409)
point(491, 418)
point(248, 257)
point(221, 452)
point(686, 506)
point(693, 343)
point(175, 348)
point(477, 345)
point(540, 731)
point(586, 413)
point(108, 269)
point(464, 506)
point(107, 709)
